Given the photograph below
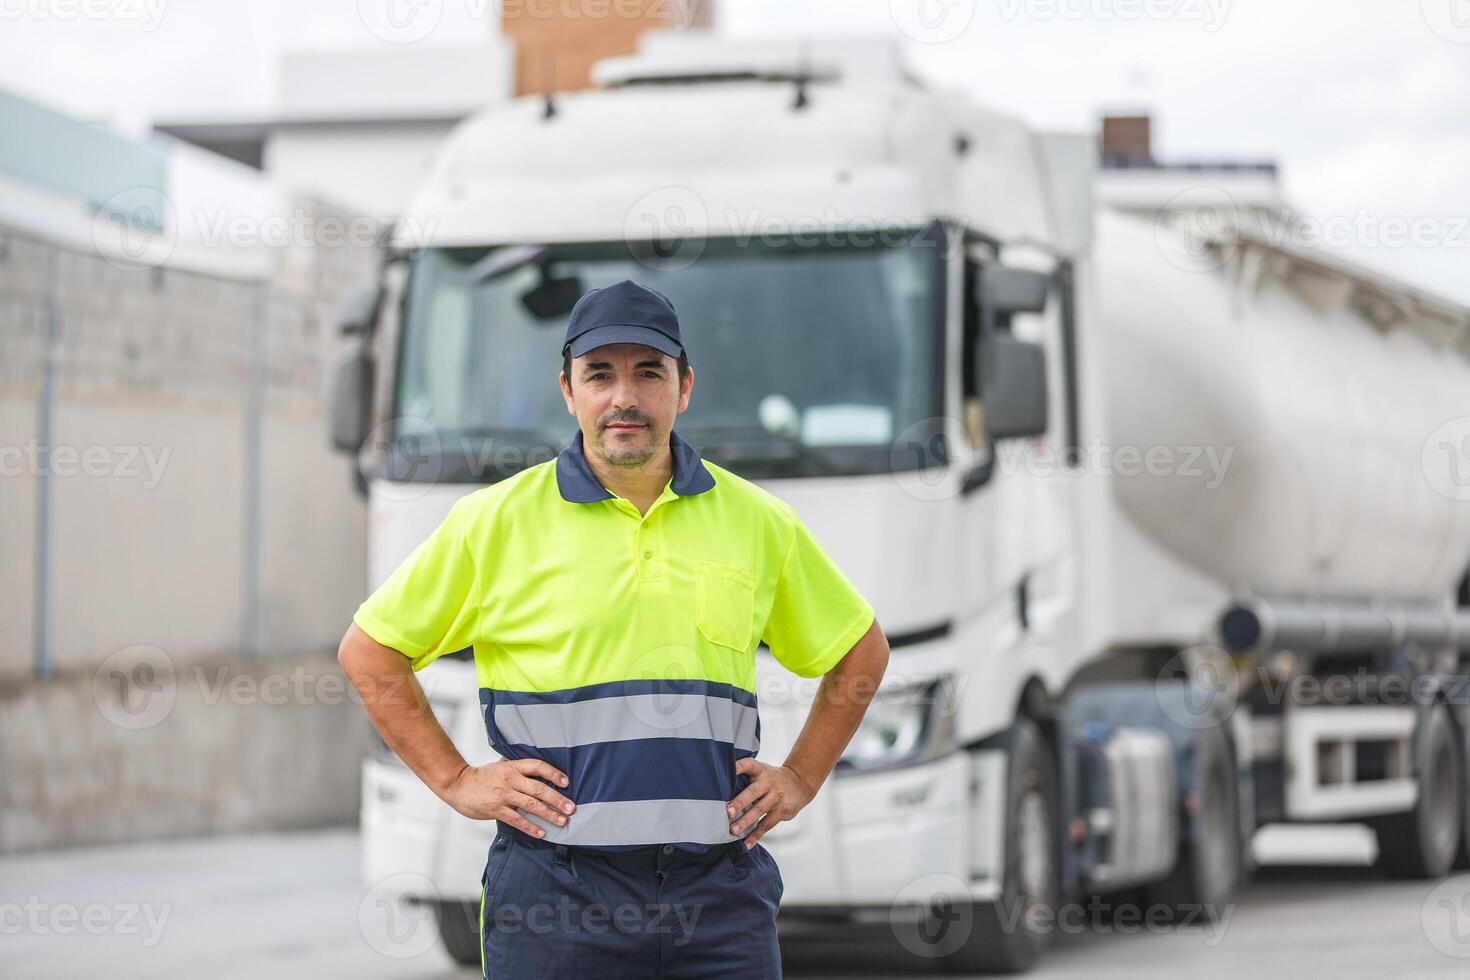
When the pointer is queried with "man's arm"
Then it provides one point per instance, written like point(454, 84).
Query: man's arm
point(778, 793)
point(399, 710)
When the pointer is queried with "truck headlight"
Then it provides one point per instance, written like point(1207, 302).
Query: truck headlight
point(903, 726)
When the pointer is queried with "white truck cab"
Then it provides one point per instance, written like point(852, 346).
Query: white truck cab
point(909, 318)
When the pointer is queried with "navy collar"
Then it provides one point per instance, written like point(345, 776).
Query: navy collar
point(579, 485)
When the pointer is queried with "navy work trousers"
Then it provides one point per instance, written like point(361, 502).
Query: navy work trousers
point(553, 911)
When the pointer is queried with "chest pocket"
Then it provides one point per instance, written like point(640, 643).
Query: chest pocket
point(724, 601)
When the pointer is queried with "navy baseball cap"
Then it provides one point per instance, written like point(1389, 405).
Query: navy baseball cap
point(624, 313)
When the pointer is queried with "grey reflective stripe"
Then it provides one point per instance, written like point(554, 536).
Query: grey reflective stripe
point(634, 716)
point(643, 822)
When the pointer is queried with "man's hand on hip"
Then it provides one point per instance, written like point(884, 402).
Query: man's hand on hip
point(779, 793)
point(775, 793)
point(508, 790)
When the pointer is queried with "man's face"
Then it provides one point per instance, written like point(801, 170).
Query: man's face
point(625, 398)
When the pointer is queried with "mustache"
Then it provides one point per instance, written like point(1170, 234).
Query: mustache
point(628, 419)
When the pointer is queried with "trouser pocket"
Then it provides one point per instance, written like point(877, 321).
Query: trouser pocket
point(763, 866)
point(495, 863)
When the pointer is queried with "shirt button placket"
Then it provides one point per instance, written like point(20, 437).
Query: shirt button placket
point(646, 552)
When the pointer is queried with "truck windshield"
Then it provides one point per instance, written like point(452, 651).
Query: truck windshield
point(807, 360)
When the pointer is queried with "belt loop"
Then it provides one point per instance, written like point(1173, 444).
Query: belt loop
point(563, 856)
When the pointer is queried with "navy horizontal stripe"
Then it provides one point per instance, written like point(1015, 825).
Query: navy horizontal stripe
point(642, 769)
point(616, 689)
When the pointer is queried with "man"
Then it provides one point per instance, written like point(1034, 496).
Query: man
point(614, 598)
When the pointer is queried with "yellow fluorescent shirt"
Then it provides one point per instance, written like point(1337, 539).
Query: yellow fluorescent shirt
point(580, 610)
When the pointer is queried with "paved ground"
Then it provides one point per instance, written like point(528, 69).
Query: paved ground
point(287, 907)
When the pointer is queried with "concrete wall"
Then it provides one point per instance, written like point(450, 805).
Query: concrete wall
point(195, 510)
point(150, 747)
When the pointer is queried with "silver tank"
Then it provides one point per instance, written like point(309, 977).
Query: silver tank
point(1339, 442)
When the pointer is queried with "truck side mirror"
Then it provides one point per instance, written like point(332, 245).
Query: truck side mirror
point(358, 308)
point(1005, 290)
point(1013, 387)
point(352, 381)
point(352, 400)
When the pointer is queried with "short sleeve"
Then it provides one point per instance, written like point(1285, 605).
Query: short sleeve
point(426, 608)
point(817, 614)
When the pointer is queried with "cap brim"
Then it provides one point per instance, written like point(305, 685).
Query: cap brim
point(624, 333)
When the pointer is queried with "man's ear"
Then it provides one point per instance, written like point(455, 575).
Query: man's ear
point(686, 388)
point(566, 392)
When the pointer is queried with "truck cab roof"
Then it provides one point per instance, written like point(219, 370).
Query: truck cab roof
point(731, 156)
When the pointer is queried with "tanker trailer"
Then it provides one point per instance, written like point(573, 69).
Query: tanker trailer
point(1306, 583)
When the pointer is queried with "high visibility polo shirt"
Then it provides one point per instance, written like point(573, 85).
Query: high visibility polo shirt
point(620, 647)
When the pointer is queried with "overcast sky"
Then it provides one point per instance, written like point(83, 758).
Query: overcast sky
point(1365, 103)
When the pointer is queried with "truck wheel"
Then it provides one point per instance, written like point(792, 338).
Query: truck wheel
point(1208, 868)
point(459, 928)
point(1004, 937)
point(1422, 843)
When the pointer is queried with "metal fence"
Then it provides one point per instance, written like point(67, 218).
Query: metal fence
point(163, 457)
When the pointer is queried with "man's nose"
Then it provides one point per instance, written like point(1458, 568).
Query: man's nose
point(625, 394)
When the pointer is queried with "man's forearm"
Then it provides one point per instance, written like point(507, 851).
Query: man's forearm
point(841, 700)
point(399, 709)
